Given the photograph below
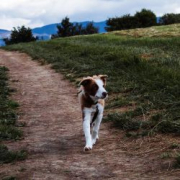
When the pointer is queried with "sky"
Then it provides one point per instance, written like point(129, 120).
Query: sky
point(37, 13)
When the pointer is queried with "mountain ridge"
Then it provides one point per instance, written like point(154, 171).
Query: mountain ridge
point(45, 32)
point(50, 29)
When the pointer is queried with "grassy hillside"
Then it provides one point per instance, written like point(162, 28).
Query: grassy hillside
point(155, 31)
point(143, 70)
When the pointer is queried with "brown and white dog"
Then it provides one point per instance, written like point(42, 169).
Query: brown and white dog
point(91, 96)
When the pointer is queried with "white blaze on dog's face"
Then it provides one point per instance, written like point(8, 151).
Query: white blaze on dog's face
point(95, 87)
point(101, 92)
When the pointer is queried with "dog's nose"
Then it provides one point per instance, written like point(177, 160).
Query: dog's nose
point(104, 94)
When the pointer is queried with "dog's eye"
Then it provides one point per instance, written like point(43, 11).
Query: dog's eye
point(95, 87)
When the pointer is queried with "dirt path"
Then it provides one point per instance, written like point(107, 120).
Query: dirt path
point(53, 134)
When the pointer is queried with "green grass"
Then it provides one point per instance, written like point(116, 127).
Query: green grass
point(7, 156)
point(8, 117)
point(155, 31)
point(177, 161)
point(8, 107)
point(9, 178)
point(143, 72)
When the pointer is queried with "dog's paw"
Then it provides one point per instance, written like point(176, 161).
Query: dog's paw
point(87, 148)
point(93, 141)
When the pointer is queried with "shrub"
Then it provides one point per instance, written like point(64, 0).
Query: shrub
point(170, 18)
point(145, 18)
point(120, 23)
point(20, 34)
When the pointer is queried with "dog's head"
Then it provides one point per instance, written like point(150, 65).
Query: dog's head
point(95, 86)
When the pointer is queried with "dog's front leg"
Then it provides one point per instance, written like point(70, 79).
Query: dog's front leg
point(86, 128)
point(96, 126)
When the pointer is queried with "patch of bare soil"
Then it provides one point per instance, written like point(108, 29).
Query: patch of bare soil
point(54, 138)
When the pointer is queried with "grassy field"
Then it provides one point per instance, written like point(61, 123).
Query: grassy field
point(155, 31)
point(8, 116)
point(143, 70)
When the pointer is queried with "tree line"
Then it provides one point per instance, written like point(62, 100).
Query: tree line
point(141, 19)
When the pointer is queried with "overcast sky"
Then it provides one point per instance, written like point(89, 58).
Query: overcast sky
point(36, 13)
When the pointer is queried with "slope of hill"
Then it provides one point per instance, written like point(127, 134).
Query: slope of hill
point(147, 62)
point(2, 43)
point(172, 30)
point(144, 81)
point(3, 31)
point(3, 34)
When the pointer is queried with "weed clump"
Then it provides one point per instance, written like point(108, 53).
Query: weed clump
point(177, 161)
point(8, 114)
point(9, 178)
point(7, 156)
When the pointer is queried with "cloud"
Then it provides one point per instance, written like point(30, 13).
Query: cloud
point(33, 13)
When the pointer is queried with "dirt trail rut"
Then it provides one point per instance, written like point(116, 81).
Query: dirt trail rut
point(53, 133)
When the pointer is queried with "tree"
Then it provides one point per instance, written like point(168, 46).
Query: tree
point(77, 29)
point(112, 24)
point(20, 34)
point(119, 23)
point(91, 29)
point(65, 28)
point(145, 18)
point(170, 18)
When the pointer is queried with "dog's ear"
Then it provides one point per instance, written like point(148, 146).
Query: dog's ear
point(86, 81)
point(103, 78)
